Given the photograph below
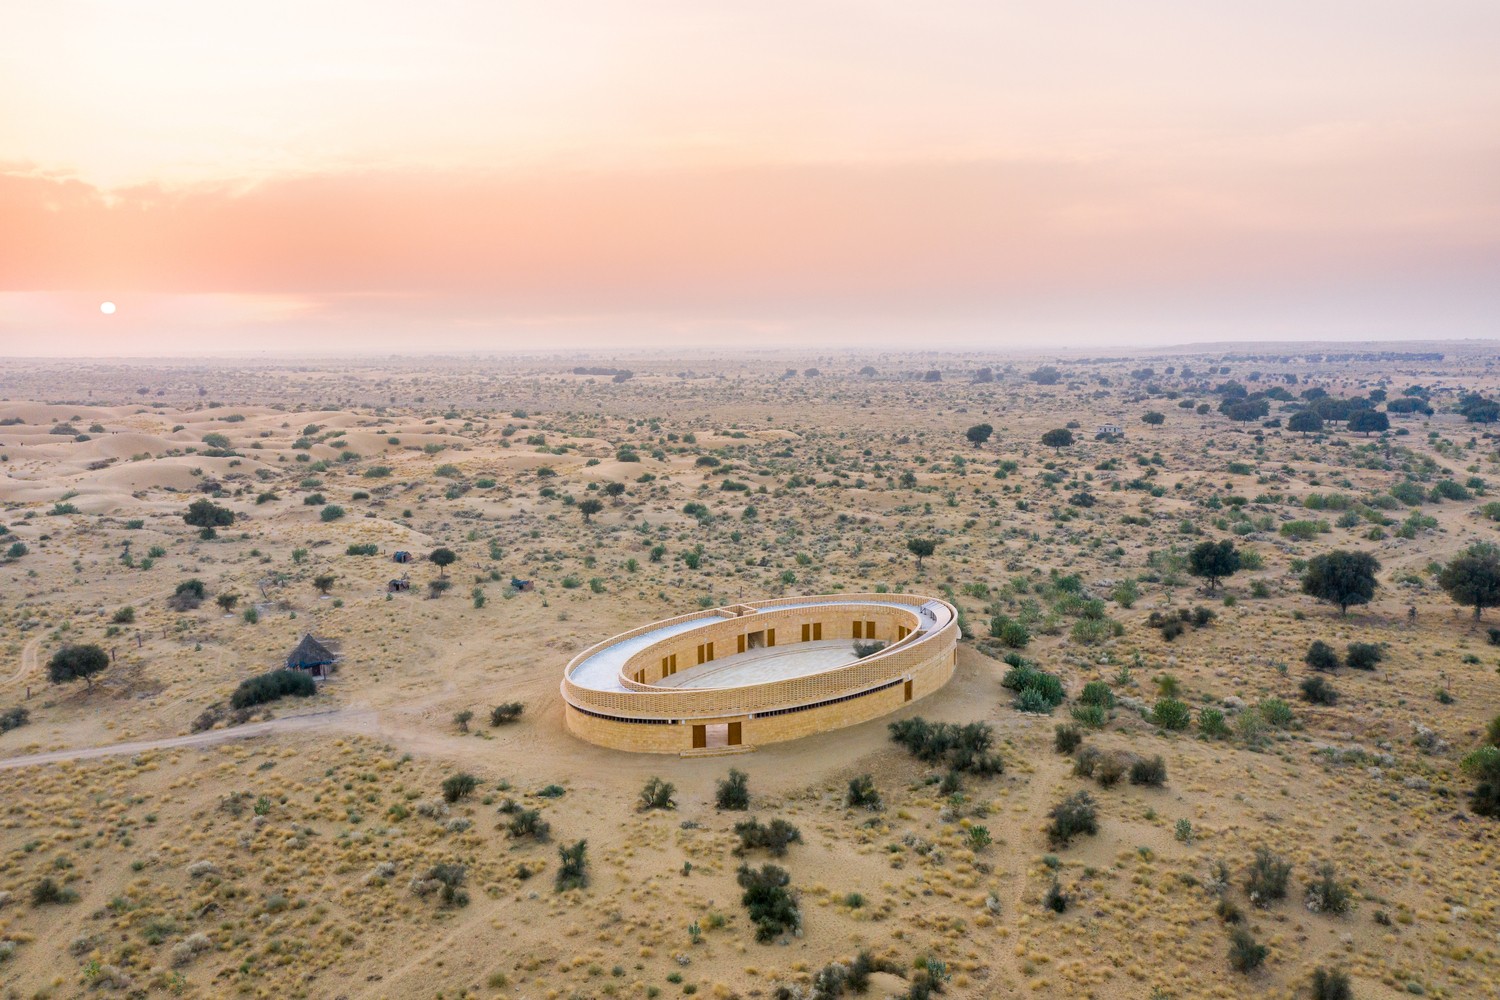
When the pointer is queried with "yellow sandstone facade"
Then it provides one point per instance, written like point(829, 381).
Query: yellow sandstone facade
point(750, 674)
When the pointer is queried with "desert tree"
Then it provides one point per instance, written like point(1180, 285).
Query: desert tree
point(1305, 422)
point(442, 558)
point(1058, 439)
point(1342, 577)
point(921, 548)
point(979, 434)
point(1472, 578)
point(1365, 421)
point(589, 507)
point(1154, 418)
point(324, 582)
point(70, 663)
point(1213, 561)
point(1046, 375)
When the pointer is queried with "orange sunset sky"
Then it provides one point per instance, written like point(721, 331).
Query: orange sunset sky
point(404, 176)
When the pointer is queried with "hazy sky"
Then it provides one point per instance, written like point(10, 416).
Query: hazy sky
point(420, 175)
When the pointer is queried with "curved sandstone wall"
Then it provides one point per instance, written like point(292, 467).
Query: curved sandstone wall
point(639, 713)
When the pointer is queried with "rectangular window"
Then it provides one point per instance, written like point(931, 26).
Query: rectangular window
point(770, 637)
point(817, 631)
point(741, 644)
point(859, 630)
point(869, 630)
point(806, 632)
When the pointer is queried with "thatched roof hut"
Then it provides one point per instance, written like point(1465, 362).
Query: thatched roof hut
point(311, 655)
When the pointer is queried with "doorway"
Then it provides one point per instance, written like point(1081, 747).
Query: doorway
point(715, 735)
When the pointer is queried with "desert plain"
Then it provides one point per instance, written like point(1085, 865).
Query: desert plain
point(305, 847)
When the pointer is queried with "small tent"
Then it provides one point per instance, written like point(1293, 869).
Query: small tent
point(402, 556)
point(312, 656)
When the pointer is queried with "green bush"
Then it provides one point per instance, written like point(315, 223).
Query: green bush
point(1303, 531)
point(1267, 881)
point(657, 794)
point(1320, 656)
point(572, 873)
point(862, 793)
point(1317, 691)
point(733, 792)
point(1066, 739)
point(1149, 771)
point(263, 688)
point(1330, 984)
point(1364, 655)
point(1098, 693)
point(1169, 713)
point(1245, 955)
point(48, 892)
point(1276, 712)
point(774, 836)
point(1056, 900)
point(459, 786)
point(1074, 815)
point(509, 712)
point(1109, 770)
point(1326, 893)
point(771, 906)
point(963, 748)
point(1483, 765)
point(1037, 692)
point(1091, 716)
point(1211, 723)
point(528, 823)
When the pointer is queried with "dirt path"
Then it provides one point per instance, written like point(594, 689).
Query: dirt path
point(28, 663)
point(347, 719)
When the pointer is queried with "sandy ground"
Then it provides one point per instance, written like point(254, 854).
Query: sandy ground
point(286, 856)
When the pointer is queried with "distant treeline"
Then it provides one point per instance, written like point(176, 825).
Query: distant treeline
point(618, 374)
point(1345, 356)
point(1300, 358)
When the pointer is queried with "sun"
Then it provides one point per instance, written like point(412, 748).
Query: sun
point(107, 308)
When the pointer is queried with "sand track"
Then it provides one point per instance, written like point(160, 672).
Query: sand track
point(348, 719)
point(27, 665)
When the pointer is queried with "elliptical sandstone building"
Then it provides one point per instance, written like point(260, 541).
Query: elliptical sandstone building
point(746, 675)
